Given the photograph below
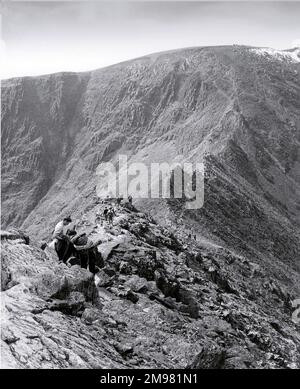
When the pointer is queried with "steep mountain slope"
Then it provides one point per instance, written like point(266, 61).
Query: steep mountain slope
point(36, 117)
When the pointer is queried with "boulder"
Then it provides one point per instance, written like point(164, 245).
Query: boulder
point(72, 305)
point(90, 315)
point(140, 284)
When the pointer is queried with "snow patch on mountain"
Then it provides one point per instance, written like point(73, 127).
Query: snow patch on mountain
point(292, 55)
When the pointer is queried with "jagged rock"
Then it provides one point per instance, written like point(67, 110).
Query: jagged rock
point(255, 269)
point(168, 286)
point(99, 261)
point(191, 305)
point(260, 339)
point(90, 315)
point(58, 284)
point(125, 293)
point(219, 279)
point(212, 357)
point(125, 268)
point(140, 284)
point(138, 260)
point(239, 358)
point(14, 234)
point(70, 306)
point(109, 271)
point(167, 302)
point(6, 281)
point(124, 348)
point(123, 223)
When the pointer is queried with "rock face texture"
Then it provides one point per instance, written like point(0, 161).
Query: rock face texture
point(160, 301)
point(237, 104)
point(163, 298)
point(35, 133)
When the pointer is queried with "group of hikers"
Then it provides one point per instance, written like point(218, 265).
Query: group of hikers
point(72, 247)
point(108, 213)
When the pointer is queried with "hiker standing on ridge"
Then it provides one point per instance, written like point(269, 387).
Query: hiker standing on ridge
point(98, 219)
point(61, 241)
point(119, 200)
point(110, 215)
point(59, 228)
point(105, 213)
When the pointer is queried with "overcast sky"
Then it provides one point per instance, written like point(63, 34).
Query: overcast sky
point(46, 37)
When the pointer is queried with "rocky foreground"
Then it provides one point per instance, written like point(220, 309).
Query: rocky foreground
point(162, 300)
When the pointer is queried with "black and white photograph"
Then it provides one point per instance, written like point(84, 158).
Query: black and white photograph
point(150, 188)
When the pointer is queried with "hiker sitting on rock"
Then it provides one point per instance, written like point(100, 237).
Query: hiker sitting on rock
point(61, 241)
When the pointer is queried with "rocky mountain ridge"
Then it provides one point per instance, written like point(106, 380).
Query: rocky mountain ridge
point(223, 300)
point(161, 301)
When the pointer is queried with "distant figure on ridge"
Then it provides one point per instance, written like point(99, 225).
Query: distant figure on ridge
point(119, 200)
point(105, 213)
point(98, 219)
point(110, 215)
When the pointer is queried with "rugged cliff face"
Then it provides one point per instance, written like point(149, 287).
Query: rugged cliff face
point(37, 117)
point(237, 109)
point(238, 104)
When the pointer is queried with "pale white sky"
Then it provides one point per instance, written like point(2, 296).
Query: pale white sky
point(45, 37)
